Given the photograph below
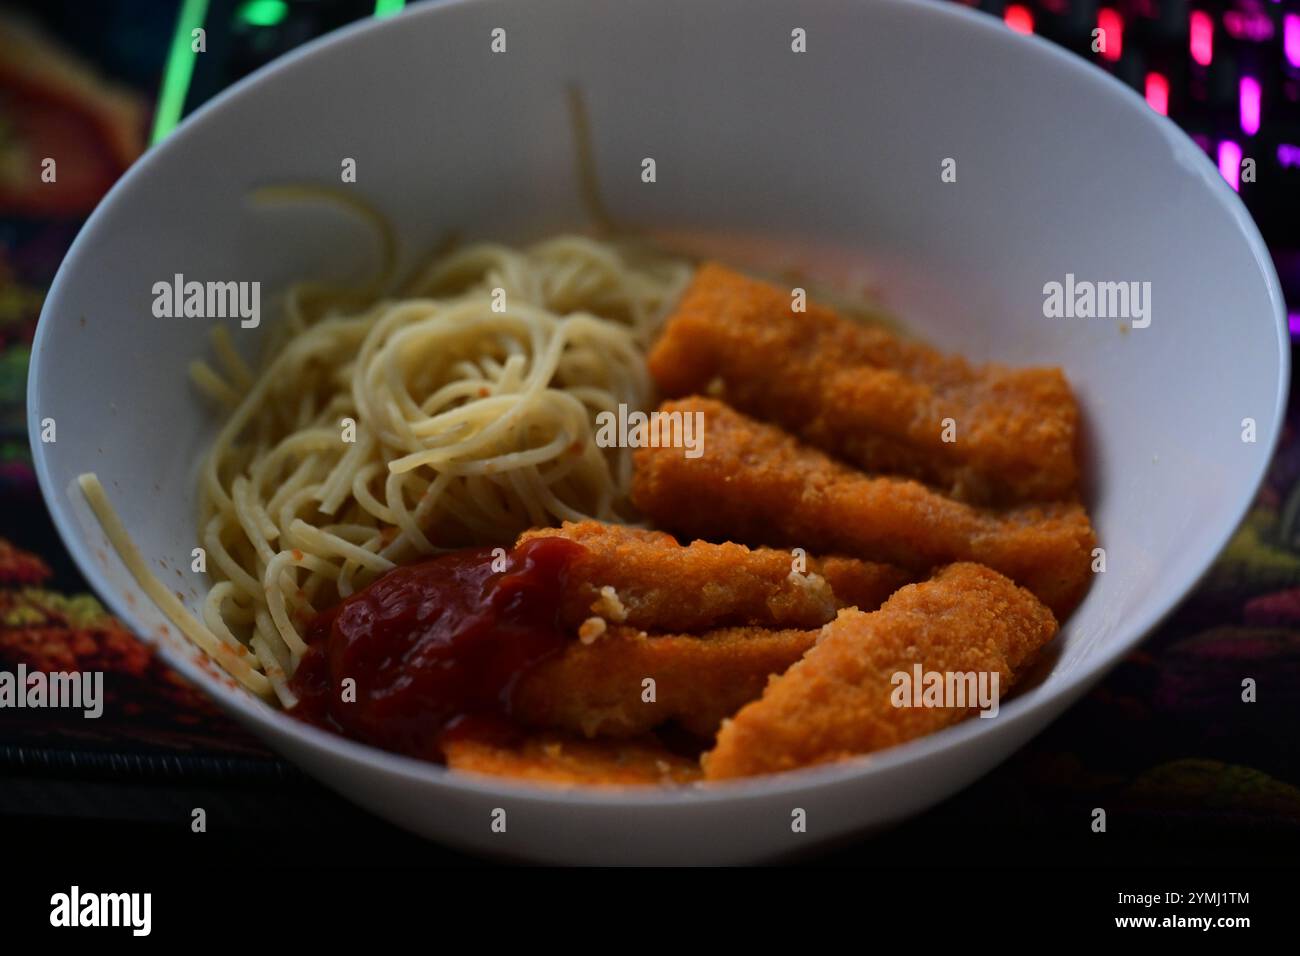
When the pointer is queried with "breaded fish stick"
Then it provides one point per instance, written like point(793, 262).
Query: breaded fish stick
point(597, 689)
point(836, 702)
point(754, 483)
point(869, 397)
point(661, 585)
point(567, 761)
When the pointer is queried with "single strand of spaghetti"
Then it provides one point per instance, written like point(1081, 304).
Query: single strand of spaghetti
point(249, 500)
point(485, 507)
point(221, 557)
point(453, 393)
point(551, 502)
point(350, 568)
point(584, 324)
point(235, 658)
point(344, 584)
point(308, 470)
point(446, 457)
point(464, 268)
point(262, 431)
point(306, 410)
point(623, 360)
point(237, 370)
point(214, 612)
point(510, 461)
point(302, 500)
point(274, 673)
point(459, 502)
point(490, 369)
point(393, 370)
point(311, 589)
point(379, 224)
point(212, 385)
point(339, 483)
point(597, 399)
point(363, 496)
point(486, 497)
point(440, 430)
point(402, 516)
point(322, 542)
point(350, 531)
point(536, 512)
point(589, 464)
point(275, 600)
point(264, 631)
point(294, 444)
point(514, 373)
point(429, 498)
point(467, 370)
point(569, 281)
point(247, 521)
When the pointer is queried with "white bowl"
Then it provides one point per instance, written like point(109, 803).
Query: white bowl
point(830, 158)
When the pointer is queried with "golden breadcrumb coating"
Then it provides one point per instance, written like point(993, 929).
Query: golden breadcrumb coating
point(658, 584)
point(836, 701)
point(869, 397)
point(758, 485)
point(568, 761)
point(598, 689)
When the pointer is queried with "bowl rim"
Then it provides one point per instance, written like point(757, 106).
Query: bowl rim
point(274, 724)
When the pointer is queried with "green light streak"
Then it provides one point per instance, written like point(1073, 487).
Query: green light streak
point(386, 8)
point(179, 69)
point(263, 13)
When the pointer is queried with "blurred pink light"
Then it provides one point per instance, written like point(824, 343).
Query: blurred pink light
point(1157, 93)
point(1202, 37)
point(1112, 28)
point(1291, 38)
point(1253, 25)
point(1019, 18)
point(1249, 105)
point(1230, 163)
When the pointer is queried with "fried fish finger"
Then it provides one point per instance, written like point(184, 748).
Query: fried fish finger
point(756, 484)
point(838, 700)
point(599, 689)
point(559, 759)
point(647, 580)
point(869, 397)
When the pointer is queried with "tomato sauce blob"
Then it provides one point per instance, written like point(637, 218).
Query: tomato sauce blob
point(434, 643)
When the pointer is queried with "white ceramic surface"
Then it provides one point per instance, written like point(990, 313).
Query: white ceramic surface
point(832, 156)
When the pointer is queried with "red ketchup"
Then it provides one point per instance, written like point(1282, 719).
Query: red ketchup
point(433, 644)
